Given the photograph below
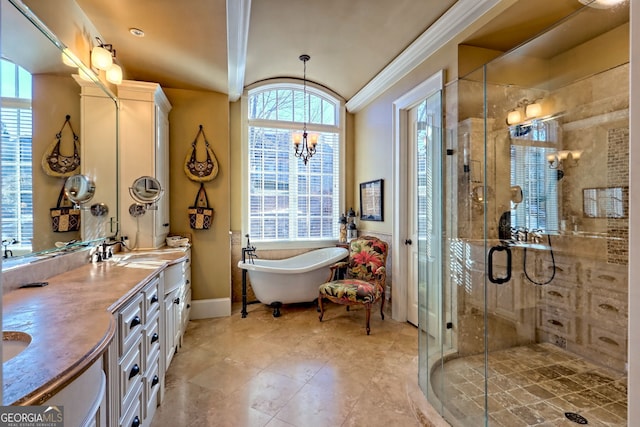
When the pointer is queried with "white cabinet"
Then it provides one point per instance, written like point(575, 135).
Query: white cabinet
point(143, 142)
point(177, 304)
point(84, 399)
point(134, 376)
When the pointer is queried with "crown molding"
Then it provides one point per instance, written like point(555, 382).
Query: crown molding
point(238, 14)
point(454, 21)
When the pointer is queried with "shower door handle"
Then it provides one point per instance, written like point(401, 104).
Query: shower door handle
point(492, 278)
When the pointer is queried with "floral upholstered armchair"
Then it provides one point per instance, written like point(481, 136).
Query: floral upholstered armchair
point(361, 279)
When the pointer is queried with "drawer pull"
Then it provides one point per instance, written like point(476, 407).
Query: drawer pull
point(136, 422)
point(607, 278)
point(154, 338)
point(176, 301)
point(555, 294)
point(554, 322)
point(187, 281)
point(608, 340)
point(155, 380)
point(154, 299)
point(135, 322)
point(608, 307)
point(188, 305)
point(134, 371)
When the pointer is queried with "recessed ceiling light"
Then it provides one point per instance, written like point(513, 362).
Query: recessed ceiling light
point(601, 4)
point(136, 32)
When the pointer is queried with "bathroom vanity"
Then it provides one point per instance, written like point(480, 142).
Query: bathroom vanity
point(99, 337)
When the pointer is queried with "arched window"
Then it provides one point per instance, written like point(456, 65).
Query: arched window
point(286, 200)
point(17, 187)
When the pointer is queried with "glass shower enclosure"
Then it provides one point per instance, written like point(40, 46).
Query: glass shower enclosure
point(531, 296)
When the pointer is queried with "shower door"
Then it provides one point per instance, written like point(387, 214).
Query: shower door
point(535, 234)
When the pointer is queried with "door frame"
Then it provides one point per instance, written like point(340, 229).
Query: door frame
point(401, 132)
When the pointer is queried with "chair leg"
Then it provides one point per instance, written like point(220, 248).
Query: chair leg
point(368, 309)
point(321, 307)
point(382, 306)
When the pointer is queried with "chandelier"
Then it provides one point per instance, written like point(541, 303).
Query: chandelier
point(304, 144)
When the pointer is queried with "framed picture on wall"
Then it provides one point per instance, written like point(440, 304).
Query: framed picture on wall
point(371, 200)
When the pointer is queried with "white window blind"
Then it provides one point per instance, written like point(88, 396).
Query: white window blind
point(530, 170)
point(288, 200)
point(16, 155)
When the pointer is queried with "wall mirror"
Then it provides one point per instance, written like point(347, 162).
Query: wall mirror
point(609, 202)
point(38, 92)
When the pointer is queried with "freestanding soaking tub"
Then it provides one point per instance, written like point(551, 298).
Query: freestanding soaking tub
point(290, 280)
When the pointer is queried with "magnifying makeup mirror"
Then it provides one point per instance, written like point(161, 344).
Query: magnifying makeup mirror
point(146, 191)
point(79, 189)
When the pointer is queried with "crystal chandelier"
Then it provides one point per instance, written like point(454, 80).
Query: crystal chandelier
point(305, 144)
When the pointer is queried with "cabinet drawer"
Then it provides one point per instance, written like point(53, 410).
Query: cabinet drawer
point(607, 276)
point(608, 306)
point(557, 322)
point(607, 341)
point(559, 294)
point(132, 409)
point(152, 339)
point(131, 370)
point(565, 268)
point(130, 322)
point(151, 299)
point(152, 390)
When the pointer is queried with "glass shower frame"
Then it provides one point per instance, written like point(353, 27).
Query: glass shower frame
point(477, 192)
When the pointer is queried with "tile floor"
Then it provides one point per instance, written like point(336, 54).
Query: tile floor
point(533, 386)
point(293, 371)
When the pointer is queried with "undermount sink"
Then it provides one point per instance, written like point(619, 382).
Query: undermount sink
point(13, 343)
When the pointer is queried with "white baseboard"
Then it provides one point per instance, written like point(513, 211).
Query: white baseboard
point(208, 308)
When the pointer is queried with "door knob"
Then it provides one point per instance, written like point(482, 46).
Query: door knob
point(408, 242)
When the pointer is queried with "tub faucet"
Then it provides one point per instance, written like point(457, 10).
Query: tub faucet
point(248, 251)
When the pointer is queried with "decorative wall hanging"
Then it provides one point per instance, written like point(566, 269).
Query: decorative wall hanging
point(65, 217)
point(201, 171)
point(200, 214)
point(54, 163)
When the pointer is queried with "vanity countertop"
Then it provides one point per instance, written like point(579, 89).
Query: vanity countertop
point(71, 323)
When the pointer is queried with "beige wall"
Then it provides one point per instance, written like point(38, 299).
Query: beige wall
point(211, 259)
point(54, 97)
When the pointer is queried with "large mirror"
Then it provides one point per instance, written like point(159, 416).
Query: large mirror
point(38, 93)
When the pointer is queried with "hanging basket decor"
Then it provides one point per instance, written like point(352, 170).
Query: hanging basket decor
point(203, 171)
point(200, 214)
point(56, 164)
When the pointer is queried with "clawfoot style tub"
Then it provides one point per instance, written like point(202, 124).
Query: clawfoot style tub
point(290, 280)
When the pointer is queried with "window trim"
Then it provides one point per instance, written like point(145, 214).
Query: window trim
point(244, 153)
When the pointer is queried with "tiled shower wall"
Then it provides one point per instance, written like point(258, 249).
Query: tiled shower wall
point(618, 176)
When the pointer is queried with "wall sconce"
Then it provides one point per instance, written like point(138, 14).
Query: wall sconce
point(555, 160)
point(531, 110)
point(103, 58)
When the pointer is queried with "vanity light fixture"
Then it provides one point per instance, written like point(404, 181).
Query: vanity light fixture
point(69, 58)
point(524, 110)
point(555, 160)
point(303, 143)
point(102, 55)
